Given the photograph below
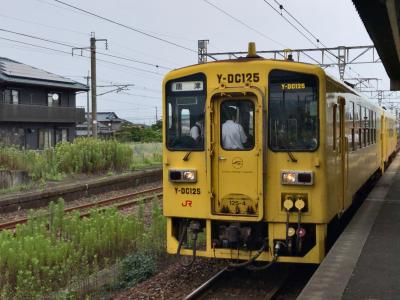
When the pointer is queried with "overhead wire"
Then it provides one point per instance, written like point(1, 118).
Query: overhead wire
point(65, 52)
point(126, 26)
point(39, 38)
point(65, 44)
point(137, 105)
point(307, 30)
point(249, 27)
point(45, 25)
point(306, 37)
point(34, 45)
point(243, 23)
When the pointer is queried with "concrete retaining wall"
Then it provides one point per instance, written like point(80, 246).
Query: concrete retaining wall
point(74, 191)
point(9, 179)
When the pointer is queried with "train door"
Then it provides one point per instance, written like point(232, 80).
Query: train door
point(343, 154)
point(237, 160)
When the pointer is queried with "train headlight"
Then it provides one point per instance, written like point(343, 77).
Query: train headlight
point(297, 178)
point(189, 176)
point(288, 178)
point(182, 175)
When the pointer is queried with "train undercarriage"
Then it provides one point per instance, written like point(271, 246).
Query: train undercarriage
point(247, 241)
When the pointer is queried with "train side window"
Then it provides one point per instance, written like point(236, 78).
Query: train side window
point(371, 126)
point(169, 116)
point(375, 125)
point(185, 111)
point(185, 121)
point(367, 126)
point(350, 125)
point(293, 118)
point(356, 127)
point(334, 126)
point(360, 129)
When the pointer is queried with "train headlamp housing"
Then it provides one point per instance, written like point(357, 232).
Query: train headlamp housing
point(297, 177)
point(182, 176)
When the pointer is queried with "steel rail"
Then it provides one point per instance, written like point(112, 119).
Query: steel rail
point(102, 203)
point(273, 293)
point(277, 289)
point(206, 285)
point(123, 205)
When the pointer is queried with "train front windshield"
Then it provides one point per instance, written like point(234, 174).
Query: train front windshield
point(293, 111)
point(185, 114)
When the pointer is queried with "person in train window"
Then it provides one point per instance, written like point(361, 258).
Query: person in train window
point(197, 130)
point(233, 135)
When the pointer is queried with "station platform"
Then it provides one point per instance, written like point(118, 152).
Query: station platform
point(364, 263)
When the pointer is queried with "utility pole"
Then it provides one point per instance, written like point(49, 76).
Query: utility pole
point(93, 83)
point(92, 48)
point(87, 106)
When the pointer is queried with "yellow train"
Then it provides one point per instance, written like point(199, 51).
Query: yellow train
point(261, 155)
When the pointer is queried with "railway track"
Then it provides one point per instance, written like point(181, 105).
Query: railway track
point(120, 202)
point(228, 284)
point(281, 281)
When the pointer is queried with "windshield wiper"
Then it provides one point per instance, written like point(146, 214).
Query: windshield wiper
point(186, 157)
point(291, 156)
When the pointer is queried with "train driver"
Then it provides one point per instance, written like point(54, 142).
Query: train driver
point(197, 130)
point(233, 135)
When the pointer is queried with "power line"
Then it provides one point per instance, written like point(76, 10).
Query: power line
point(45, 25)
point(139, 106)
point(241, 22)
point(38, 38)
point(143, 96)
point(129, 67)
point(244, 24)
point(98, 59)
point(308, 31)
point(74, 46)
point(294, 26)
point(298, 22)
point(132, 85)
point(37, 46)
point(134, 60)
point(126, 26)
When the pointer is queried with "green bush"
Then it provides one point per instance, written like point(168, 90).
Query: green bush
point(145, 154)
point(136, 268)
point(84, 155)
point(142, 134)
point(54, 252)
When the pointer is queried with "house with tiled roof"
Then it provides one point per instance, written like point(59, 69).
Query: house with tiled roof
point(37, 108)
point(107, 124)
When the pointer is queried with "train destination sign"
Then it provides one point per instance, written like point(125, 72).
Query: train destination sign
point(187, 86)
point(293, 86)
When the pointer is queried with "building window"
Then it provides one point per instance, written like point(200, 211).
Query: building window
point(46, 138)
point(53, 99)
point(11, 96)
point(64, 135)
point(61, 135)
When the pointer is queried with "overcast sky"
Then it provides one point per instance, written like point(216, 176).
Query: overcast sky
point(334, 22)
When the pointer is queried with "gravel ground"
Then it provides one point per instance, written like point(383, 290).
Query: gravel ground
point(7, 217)
point(173, 282)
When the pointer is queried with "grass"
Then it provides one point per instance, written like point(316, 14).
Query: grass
point(55, 254)
point(83, 156)
point(146, 154)
point(18, 188)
